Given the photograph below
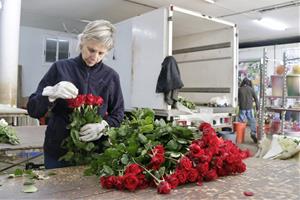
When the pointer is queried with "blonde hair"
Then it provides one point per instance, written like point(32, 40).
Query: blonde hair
point(101, 31)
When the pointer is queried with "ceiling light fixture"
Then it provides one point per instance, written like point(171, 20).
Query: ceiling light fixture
point(0, 5)
point(85, 20)
point(210, 1)
point(271, 24)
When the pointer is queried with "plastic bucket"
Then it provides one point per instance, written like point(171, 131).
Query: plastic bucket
point(275, 126)
point(239, 129)
point(227, 135)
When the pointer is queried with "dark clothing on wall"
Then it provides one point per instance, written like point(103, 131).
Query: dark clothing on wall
point(169, 80)
point(99, 80)
point(246, 95)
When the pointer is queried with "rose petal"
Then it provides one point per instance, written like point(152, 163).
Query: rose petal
point(248, 193)
point(199, 183)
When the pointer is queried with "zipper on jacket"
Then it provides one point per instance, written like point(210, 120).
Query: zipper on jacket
point(87, 82)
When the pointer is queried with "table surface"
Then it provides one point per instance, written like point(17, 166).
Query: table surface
point(7, 110)
point(267, 179)
point(31, 137)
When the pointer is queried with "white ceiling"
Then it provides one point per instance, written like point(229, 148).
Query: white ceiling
point(65, 15)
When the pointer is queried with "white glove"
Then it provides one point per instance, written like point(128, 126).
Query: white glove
point(91, 132)
point(63, 89)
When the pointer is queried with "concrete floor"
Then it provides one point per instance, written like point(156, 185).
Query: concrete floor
point(266, 179)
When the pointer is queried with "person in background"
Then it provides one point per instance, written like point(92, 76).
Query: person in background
point(85, 74)
point(246, 96)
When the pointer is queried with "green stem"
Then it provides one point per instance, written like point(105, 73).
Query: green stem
point(155, 178)
point(172, 159)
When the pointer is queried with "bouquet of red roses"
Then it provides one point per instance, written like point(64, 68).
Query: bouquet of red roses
point(205, 160)
point(85, 111)
point(144, 153)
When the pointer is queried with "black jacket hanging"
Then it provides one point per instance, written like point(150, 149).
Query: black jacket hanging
point(169, 80)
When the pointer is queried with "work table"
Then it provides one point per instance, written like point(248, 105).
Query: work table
point(267, 179)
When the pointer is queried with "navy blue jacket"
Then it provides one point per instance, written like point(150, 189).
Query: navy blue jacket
point(99, 80)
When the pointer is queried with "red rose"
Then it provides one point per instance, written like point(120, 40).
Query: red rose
point(71, 103)
point(204, 125)
point(143, 183)
point(164, 188)
point(185, 163)
point(241, 167)
point(211, 175)
point(172, 180)
point(245, 154)
point(248, 193)
point(181, 175)
point(192, 175)
point(207, 156)
point(222, 172)
point(209, 131)
point(219, 162)
point(98, 101)
point(228, 168)
point(90, 99)
point(203, 168)
point(195, 151)
point(130, 181)
point(102, 181)
point(76, 102)
point(200, 183)
point(157, 160)
point(133, 169)
point(230, 159)
point(159, 149)
point(119, 183)
point(107, 182)
point(80, 100)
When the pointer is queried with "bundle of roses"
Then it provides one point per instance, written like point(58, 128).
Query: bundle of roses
point(154, 160)
point(85, 110)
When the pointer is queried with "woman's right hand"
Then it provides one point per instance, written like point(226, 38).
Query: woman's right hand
point(63, 90)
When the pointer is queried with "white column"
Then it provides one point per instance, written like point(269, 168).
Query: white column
point(10, 12)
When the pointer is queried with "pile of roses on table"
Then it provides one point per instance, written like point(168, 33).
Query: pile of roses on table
point(207, 159)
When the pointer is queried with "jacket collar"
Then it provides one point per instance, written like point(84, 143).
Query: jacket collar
point(85, 67)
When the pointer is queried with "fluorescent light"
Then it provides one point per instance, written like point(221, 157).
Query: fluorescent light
point(210, 1)
point(271, 24)
point(85, 20)
point(0, 5)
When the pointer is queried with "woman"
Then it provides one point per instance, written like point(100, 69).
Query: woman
point(246, 96)
point(81, 75)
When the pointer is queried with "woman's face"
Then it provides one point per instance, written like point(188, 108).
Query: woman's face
point(93, 52)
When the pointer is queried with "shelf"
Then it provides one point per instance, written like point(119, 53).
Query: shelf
point(264, 107)
point(283, 109)
point(292, 59)
point(288, 97)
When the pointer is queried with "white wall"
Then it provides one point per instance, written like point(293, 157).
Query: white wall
point(31, 55)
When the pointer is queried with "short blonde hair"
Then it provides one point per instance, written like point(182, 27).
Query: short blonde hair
point(101, 31)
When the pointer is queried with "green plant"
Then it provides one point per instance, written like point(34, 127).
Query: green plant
point(133, 141)
point(85, 112)
point(8, 134)
point(186, 103)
